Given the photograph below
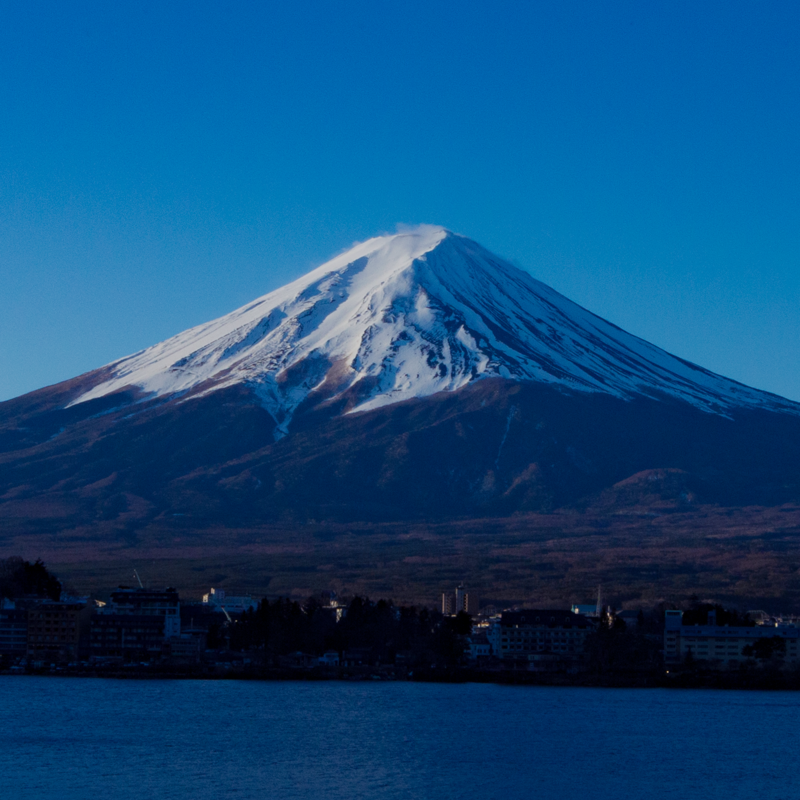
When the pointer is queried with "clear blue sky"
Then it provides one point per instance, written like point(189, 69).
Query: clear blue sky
point(163, 163)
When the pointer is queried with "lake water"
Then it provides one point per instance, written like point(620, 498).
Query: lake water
point(80, 739)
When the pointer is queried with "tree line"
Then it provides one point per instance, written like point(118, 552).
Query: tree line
point(19, 578)
point(378, 629)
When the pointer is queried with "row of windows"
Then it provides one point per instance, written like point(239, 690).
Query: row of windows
point(723, 645)
point(543, 640)
point(790, 639)
point(528, 634)
point(145, 611)
point(49, 638)
point(53, 628)
point(116, 631)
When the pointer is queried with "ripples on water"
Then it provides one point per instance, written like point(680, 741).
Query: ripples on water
point(80, 739)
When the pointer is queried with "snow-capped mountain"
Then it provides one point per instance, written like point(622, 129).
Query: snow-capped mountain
point(516, 400)
point(407, 316)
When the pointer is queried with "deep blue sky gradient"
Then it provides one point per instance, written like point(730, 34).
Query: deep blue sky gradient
point(163, 163)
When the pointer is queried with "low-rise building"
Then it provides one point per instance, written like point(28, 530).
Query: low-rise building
point(184, 649)
point(148, 603)
point(357, 657)
point(726, 645)
point(58, 631)
point(329, 659)
point(298, 660)
point(135, 624)
point(13, 629)
point(130, 637)
point(233, 604)
point(479, 647)
point(543, 638)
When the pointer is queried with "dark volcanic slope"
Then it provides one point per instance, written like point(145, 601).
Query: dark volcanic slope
point(495, 447)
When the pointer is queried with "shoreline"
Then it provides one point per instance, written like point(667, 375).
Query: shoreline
point(755, 680)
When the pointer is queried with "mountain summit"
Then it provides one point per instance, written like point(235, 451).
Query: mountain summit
point(407, 316)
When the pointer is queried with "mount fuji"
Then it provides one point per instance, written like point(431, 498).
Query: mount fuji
point(407, 316)
point(414, 377)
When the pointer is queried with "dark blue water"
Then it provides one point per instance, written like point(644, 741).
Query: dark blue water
point(79, 739)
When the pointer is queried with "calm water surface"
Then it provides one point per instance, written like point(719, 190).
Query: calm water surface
point(79, 739)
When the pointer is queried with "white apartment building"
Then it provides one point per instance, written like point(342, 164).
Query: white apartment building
point(722, 643)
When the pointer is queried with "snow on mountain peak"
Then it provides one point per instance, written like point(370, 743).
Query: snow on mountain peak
point(408, 315)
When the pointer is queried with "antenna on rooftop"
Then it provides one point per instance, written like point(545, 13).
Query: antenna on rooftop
point(136, 574)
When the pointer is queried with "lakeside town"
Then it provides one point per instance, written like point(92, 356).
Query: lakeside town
point(141, 632)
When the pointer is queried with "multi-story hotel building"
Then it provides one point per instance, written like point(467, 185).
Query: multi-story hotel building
point(724, 644)
point(542, 638)
point(58, 631)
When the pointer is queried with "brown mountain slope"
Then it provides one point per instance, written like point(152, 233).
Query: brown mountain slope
point(496, 447)
point(525, 491)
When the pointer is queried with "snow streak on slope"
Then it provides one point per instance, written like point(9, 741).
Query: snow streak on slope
point(409, 315)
